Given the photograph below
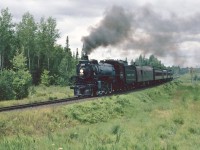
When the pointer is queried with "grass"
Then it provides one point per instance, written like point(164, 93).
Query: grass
point(165, 117)
point(41, 93)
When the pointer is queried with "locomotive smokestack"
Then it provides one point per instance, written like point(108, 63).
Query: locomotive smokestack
point(84, 55)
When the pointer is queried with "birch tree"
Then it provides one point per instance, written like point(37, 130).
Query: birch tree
point(26, 31)
point(6, 38)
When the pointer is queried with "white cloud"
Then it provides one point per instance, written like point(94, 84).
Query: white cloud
point(75, 17)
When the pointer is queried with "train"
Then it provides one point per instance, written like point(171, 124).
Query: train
point(95, 78)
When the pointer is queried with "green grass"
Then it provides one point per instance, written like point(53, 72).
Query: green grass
point(165, 117)
point(41, 93)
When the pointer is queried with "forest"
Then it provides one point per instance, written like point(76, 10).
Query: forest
point(30, 55)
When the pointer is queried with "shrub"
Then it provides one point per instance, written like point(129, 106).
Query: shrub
point(45, 78)
point(15, 83)
point(21, 84)
point(60, 81)
point(6, 86)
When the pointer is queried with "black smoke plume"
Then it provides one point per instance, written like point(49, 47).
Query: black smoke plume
point(146, 30)
point(113, 29)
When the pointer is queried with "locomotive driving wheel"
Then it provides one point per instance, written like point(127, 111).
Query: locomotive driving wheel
point(110, 88)
point(105, 88)
point(93, 92)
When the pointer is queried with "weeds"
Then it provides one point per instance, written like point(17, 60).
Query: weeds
point(179, 121)
point(97, 111)
point(116, 130)
point(41, 93)
point(151, 119)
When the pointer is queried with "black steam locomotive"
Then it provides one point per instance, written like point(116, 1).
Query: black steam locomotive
point(97, 78)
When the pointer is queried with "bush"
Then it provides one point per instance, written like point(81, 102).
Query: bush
point(45, 78)
point(15, 83)
point(100, 111)
point(21, 84)
point(6, 84)
point(61, 81)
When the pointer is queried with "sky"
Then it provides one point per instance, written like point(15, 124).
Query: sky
point(119, 29)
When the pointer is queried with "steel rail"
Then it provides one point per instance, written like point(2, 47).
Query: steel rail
point(37, 104)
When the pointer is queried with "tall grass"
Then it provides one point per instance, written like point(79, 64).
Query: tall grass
point(165, 117)
point(41, 93)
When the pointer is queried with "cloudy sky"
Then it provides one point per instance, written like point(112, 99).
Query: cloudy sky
point(168, 29)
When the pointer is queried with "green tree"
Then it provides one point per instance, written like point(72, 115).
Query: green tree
point(132, 62)
point(77, 56)
point(19, 61)
point(154, 62)
point(67, 65)
point(45, 78)
point(151, 61)
point(6, 38)
point(22, 78)
point(46, 48)
point(48, 35)
point(141, 61)
point(58, 55)
point(26, 31)
point(65, 69)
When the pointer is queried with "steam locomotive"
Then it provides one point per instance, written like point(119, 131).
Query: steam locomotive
point(96, 78)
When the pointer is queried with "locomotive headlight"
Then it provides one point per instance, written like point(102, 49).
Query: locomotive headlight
point(81, 72)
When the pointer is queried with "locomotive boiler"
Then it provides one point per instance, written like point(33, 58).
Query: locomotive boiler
point(93, 78)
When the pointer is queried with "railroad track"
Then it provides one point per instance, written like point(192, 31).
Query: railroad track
point(56, 102)
point(37, 104)
point(67, 100)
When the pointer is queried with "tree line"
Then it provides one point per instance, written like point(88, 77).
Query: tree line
point(151, 61)
point(37, 40)
point(32, 46)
